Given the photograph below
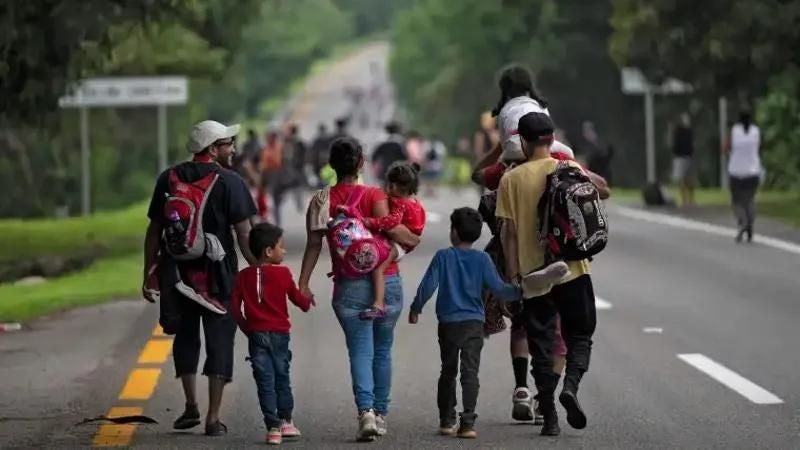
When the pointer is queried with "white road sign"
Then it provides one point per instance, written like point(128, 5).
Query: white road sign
point(634, 83)
point(128, 91)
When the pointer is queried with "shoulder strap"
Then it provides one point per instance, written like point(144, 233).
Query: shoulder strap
point(355, 196)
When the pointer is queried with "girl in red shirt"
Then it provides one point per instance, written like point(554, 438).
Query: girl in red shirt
point(402, 184)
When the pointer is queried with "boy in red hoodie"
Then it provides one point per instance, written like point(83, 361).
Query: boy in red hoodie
point(259, 305)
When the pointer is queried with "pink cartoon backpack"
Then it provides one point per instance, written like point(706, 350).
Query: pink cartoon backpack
point(355, 250)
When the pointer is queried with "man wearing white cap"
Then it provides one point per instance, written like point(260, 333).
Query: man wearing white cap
point(190, 262)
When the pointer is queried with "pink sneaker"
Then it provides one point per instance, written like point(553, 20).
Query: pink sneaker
point(288, 430)
point(274, 436)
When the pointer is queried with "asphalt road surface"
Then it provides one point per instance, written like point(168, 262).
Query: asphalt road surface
point(695, 348)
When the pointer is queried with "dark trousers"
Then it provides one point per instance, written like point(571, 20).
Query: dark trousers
point(743, 194)
point(270, 358)
point(574, 302)
point(462, 340)
point(219, 331)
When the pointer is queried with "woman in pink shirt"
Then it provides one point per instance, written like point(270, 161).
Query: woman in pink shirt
point(369, 343)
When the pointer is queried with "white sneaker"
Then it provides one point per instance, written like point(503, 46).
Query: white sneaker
point(208, 303)
point(367, 426)
point(522, 409)
point(380, 423)
point(548, 276)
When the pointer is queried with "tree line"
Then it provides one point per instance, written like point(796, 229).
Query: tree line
point(241, 58)
point(446, 56)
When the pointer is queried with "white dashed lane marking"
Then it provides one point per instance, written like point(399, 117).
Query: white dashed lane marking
point(695, 225)
point(731, 379)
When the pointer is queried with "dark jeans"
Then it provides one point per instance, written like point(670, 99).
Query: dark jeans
point(219, 331)
point(743, 194)
point(464, 340)
point(270, 357)
point(574, 302)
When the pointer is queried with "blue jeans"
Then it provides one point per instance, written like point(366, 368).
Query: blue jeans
point(369, 342)
point(270, 357)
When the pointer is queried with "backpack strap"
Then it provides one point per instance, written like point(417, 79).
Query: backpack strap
point(355, 196)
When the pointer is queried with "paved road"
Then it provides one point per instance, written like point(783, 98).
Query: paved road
point(729, 311)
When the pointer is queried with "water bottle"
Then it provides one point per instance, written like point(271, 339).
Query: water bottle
point(175, 232)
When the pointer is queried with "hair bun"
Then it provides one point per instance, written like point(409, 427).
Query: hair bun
point(417, 168)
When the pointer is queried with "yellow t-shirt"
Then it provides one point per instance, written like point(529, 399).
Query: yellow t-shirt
point(517, 199)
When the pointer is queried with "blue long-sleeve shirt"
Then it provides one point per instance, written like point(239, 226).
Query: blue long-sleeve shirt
point(461, 276)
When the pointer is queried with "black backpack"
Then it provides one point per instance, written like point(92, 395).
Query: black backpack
point(572, 222)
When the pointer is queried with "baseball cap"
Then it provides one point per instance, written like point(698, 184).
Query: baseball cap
point(535, 125)
point(207, 132)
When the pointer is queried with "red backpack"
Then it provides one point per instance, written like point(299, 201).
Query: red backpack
point(183, 213)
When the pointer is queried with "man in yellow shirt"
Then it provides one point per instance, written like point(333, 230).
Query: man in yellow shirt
point(572, 297)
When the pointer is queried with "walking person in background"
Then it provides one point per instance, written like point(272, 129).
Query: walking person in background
point(295, 156)
point(745, 171)
point(388, 152)
point(272, 172)
point(198, 290)
point(435, 157)
point(318, 154)
point(683, 159)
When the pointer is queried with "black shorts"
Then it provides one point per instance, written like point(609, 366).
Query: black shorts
point(219, 332)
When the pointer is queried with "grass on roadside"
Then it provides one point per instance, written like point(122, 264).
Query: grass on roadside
point(781, 205)
point(106, 279)
point(114, 233)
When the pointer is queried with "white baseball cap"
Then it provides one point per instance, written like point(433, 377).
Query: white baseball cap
point(207, 132)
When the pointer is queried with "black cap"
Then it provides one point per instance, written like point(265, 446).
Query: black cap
point(534, 126)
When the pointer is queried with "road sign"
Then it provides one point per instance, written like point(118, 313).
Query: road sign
point(118, 92)
point(635, 83)
point(128, 91)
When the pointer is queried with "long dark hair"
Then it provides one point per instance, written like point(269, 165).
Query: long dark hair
point(746, 119)
point(516, 81)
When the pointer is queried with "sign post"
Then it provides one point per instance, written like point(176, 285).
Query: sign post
point(634, 83)
point(123, 92)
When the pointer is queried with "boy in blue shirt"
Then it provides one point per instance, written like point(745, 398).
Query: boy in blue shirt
point(461, 273)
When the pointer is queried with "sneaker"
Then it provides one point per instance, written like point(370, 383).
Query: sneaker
point(201, 298)
point(289, 430)
point(447, 429)
point(367, 427)
point(274, 436)
point(575, 416)
point(522, 404)
point(467, 431)
point(372, 313)
point(380, 423)
point(189, 419)
point(548, 276)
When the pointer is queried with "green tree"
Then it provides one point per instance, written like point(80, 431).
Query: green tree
point(446, 57)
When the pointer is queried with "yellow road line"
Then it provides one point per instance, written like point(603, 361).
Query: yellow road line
point(113, 435)
point(140, 385)
point(158, 331)
point(156, 351)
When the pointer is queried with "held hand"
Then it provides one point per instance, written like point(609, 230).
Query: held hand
point(413, 317)
point(307, 292)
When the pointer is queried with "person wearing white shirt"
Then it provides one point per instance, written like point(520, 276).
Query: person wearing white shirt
point(744, 170)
